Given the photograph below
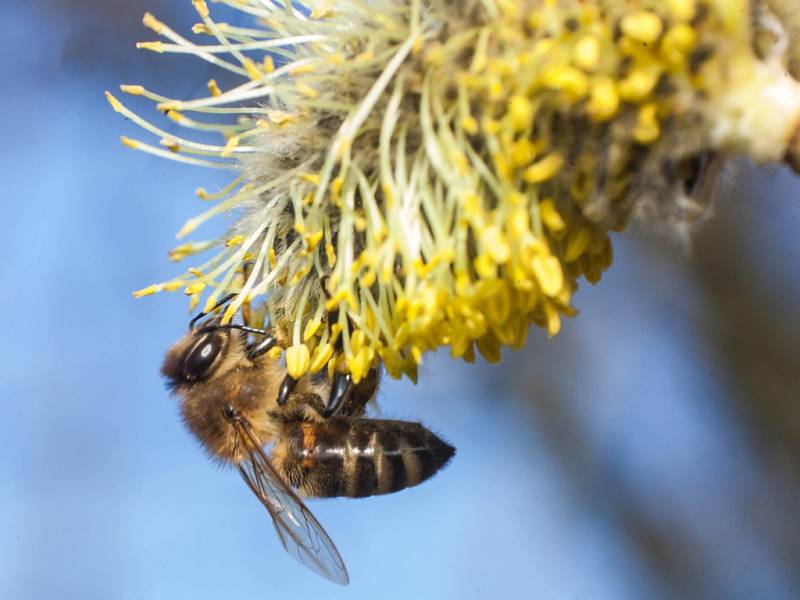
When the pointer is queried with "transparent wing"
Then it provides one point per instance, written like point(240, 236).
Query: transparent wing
point(300, 533)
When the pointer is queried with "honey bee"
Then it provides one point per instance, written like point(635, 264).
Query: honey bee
point(236, 399)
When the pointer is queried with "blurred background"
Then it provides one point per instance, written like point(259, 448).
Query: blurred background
point(652, 450)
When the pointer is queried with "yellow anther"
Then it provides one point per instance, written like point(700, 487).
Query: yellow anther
point(485, 266)
point(640, 83)
point(357, 341)
point(279, 117)
point(170, 144)
point(489, 348)
point(551, 218)
point(519, 224)
point(469, 125)
point(515, 198)
point(603, 99)
point(234, 241)
point(549, 274)
point(194, 288)
point(152, 23)
point(173, 285)
point(312, 178)
point(267, 64)
point(311, 328)
point(490, 126)
point(335, 300)
point(152, 46)
point(682, 10)
point(229, 146)
point(577, 243)
point(147, 291)
point(360, 363)
point(307, 90)
point(647, 127)
point(496, 90)
point(275, 353)
point(298, 358)
point(553, 320)
point(569, 80)
point(496, 245)
point(115, 104)
point(252, 70)
point(211, 302)
point(201, 7)
point(213, 87)
point(498, 307)
point(587, 53)
point(544, 169)
point(330, 254)
point(520, 112)
point(501, 166)
point(678, 43)
point(312, 240)
point(300, 274)
point(369, 278)
point(301, 69)
point(230, 312)
point(523, 152)
point(320, 357)
point(642, 26)
point(133, 90)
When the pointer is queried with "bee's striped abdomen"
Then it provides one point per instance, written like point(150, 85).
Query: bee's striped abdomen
point(359, 457)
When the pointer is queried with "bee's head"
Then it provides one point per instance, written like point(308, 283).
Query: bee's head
point(197, 356)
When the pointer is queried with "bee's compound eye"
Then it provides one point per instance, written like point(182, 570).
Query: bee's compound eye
point(201, 356)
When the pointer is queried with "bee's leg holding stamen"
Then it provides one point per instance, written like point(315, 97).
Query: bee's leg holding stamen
point(342, 383)
point(287, 385)
point(261, 347)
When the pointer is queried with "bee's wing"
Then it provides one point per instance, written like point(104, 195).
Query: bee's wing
point(299, 531)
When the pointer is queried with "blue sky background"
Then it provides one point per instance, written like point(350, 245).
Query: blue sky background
point(650, 451)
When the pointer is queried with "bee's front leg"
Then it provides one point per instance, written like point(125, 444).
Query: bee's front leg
point(262, 346)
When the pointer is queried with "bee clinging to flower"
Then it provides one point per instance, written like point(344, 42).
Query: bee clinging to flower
point(414, 174)
point(233, 402)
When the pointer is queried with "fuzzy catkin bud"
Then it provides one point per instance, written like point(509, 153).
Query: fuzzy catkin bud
point(426, 173)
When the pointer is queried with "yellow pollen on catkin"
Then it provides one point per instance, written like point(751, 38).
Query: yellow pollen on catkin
point(411, 175)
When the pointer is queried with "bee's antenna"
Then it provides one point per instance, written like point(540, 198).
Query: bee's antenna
point(238, 326)
point(199, 316)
